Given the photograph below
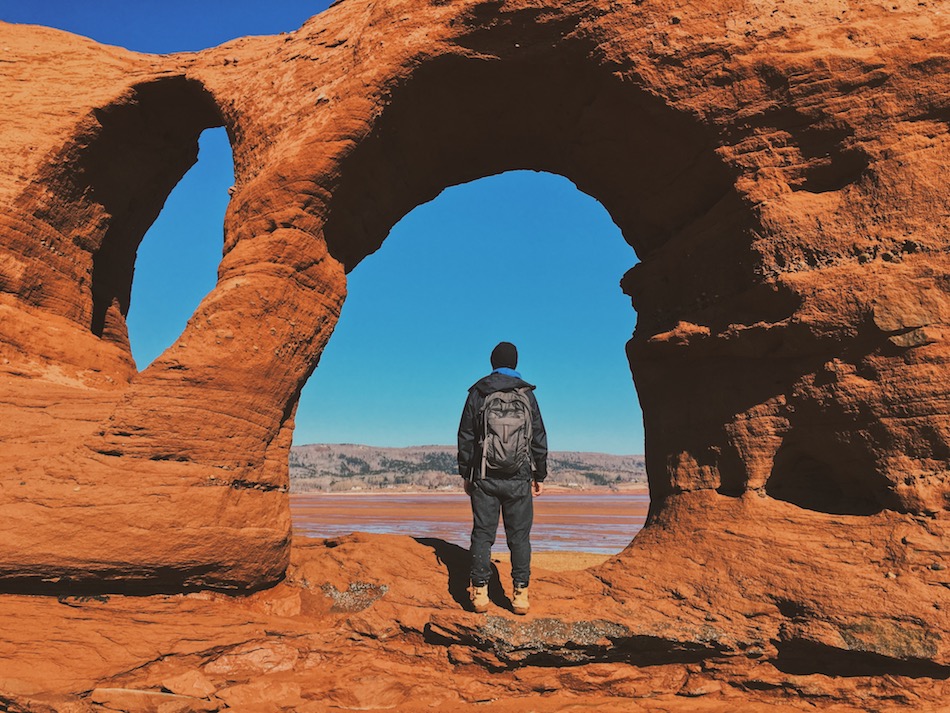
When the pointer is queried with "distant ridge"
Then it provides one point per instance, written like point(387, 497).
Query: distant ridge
point(346, 467)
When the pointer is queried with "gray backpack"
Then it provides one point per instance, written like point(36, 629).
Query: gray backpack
point(506, 431)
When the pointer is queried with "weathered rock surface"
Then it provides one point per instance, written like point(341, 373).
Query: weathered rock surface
point(349, 630)
point(781, 170)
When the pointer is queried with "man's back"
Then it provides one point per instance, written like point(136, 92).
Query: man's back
point(501, 490)
point(470, 435)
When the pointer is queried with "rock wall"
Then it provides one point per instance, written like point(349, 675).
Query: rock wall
point(780, 169)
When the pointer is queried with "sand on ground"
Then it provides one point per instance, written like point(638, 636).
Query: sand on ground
point(558, 561)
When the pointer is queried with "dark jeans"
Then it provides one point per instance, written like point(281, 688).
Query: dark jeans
point(513, 498)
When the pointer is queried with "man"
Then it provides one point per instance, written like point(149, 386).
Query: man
point(505, 475)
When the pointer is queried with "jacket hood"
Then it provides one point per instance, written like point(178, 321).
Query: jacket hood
point(499, 382)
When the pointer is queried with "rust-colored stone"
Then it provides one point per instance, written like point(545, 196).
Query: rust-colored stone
point(782, 173)
point(411, 646)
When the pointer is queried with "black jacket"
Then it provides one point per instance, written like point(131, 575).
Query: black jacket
point(469, 456)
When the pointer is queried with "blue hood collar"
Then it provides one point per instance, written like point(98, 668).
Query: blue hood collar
point(507, 372)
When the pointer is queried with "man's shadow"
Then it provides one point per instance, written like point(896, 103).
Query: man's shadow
point(458, 561)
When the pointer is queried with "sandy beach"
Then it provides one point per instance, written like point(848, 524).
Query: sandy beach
point(557, 561)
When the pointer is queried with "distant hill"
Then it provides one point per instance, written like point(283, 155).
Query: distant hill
point(347, 467)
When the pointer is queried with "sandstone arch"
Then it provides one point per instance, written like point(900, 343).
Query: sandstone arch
point(115, 173)
point(802, 291)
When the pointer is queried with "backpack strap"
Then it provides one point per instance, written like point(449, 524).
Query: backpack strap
point(483, 428)
point(524, 392)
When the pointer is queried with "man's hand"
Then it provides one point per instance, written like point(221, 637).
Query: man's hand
point(537, 487)
point(469, 486)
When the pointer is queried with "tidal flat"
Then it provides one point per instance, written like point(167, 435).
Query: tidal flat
point(596, 524)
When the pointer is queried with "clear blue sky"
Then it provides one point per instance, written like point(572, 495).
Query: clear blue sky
point(416, 329)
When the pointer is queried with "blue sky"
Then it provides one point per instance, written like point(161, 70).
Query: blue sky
point(421, 317)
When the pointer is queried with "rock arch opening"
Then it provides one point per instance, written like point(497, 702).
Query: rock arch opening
point(106, 187)
point(652, 166)
point(523, 256)
point(177, 260)
point(156, 134)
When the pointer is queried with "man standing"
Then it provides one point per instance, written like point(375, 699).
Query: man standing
point(503, 451)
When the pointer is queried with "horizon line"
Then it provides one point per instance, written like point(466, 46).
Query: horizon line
point(440, 445)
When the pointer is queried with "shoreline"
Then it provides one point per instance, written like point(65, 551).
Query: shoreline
point(549, 560)
point(554, 490)
point(590, 525)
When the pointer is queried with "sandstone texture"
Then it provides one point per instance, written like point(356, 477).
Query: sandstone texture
point(781, 169)
point(347, 630)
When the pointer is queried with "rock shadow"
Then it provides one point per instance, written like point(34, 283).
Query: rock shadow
point(799, 657)
point(458, 562)
point(836, 482)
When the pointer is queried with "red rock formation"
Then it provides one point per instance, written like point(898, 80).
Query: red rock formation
point(781, 173)
point(348, 630)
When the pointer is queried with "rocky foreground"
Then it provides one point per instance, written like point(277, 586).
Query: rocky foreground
point(379, 623)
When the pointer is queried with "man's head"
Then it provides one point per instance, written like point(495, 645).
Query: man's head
point(505, 354)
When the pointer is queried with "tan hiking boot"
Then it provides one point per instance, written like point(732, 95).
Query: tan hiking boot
point(480, 598)
point(519, 603)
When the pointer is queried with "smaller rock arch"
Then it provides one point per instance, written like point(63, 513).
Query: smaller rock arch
point(99, 193)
